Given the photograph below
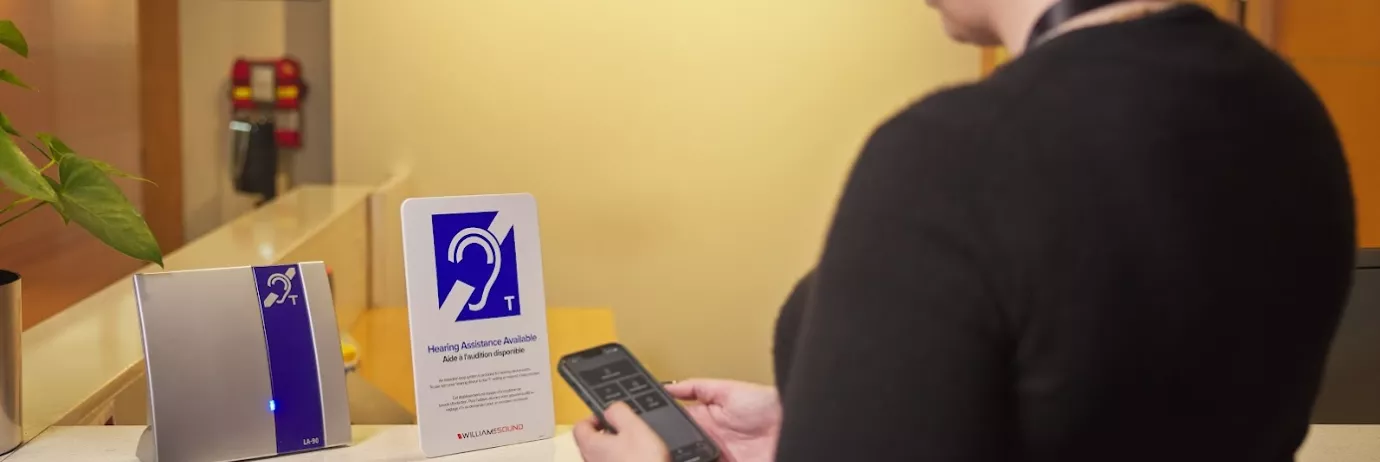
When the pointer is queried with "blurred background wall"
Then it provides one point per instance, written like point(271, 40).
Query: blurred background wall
point(685, 156)
point(213, 34)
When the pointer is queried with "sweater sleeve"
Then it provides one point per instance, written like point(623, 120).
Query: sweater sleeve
point(901, 354)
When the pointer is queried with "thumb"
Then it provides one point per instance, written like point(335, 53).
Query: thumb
point(625, 421)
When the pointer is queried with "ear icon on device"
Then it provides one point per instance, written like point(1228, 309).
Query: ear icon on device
point(284, 279)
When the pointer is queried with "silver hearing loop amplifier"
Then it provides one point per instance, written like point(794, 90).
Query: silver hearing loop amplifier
point(242, 363)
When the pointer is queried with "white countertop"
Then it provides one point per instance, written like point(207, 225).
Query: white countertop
point(1341, 443)
point(392, 443)
point(97, 342)
point(398, 443)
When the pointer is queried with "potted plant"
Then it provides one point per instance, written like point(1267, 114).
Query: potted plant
point(82, 191)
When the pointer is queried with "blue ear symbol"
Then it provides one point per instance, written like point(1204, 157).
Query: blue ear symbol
point(485, 240)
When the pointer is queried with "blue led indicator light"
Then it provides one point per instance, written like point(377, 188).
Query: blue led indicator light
point(272, 406)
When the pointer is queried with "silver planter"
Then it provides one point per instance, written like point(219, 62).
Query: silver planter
point(11, 434)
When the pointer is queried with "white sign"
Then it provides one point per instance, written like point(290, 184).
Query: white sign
point(477, 307)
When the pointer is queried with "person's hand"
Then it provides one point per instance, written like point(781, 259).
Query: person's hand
point(633, 442)
point(744, 419)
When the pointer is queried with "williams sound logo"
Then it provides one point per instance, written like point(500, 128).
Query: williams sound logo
point(489, 432)
point(476, 266)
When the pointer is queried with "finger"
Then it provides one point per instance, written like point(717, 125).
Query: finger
point(589, 440)
point(702, 390)
point(681, 390)
point(624, 420)
point(594, 421)
point(587, 434)
point(590, 419)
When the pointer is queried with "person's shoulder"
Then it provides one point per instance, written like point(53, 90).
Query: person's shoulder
point(943, 141)
point(969, 106)
point(952, 123)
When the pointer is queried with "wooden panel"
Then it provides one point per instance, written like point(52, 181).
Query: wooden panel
point(30, 112)
point(1344, 29)
point(161, 120)
point(1335, 44)
point(65, 270)
point(1352, 94)
point(1262, 20)
point(1227, 9)
point(62, 265)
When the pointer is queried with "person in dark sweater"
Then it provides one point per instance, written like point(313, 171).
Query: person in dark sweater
point(1130, 243)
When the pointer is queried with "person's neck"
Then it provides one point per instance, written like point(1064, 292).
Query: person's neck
point(1016, 22)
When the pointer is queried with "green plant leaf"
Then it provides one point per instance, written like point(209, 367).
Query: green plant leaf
point(60, 149)
point(55, 146)
point(11, 38)
point(22, 176)
point(57, 205)
point(112, 171)
point(7, 76)
point(91, 199)
point(6, 126)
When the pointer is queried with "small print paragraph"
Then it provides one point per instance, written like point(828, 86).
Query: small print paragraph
point(486, 399)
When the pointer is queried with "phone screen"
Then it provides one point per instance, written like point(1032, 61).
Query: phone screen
point(609, 374)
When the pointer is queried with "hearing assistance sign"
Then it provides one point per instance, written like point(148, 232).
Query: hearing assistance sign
point(477, 307)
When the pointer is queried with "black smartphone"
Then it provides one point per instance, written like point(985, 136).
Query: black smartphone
point(609, 373)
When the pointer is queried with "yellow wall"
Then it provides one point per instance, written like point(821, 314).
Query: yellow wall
point(685, 155)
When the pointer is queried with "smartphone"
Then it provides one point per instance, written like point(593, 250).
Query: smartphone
point(609, 373)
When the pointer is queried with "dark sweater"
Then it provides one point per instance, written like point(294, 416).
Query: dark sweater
point(1130, 244)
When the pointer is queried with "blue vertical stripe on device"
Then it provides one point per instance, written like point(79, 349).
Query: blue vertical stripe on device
point(292, 368)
